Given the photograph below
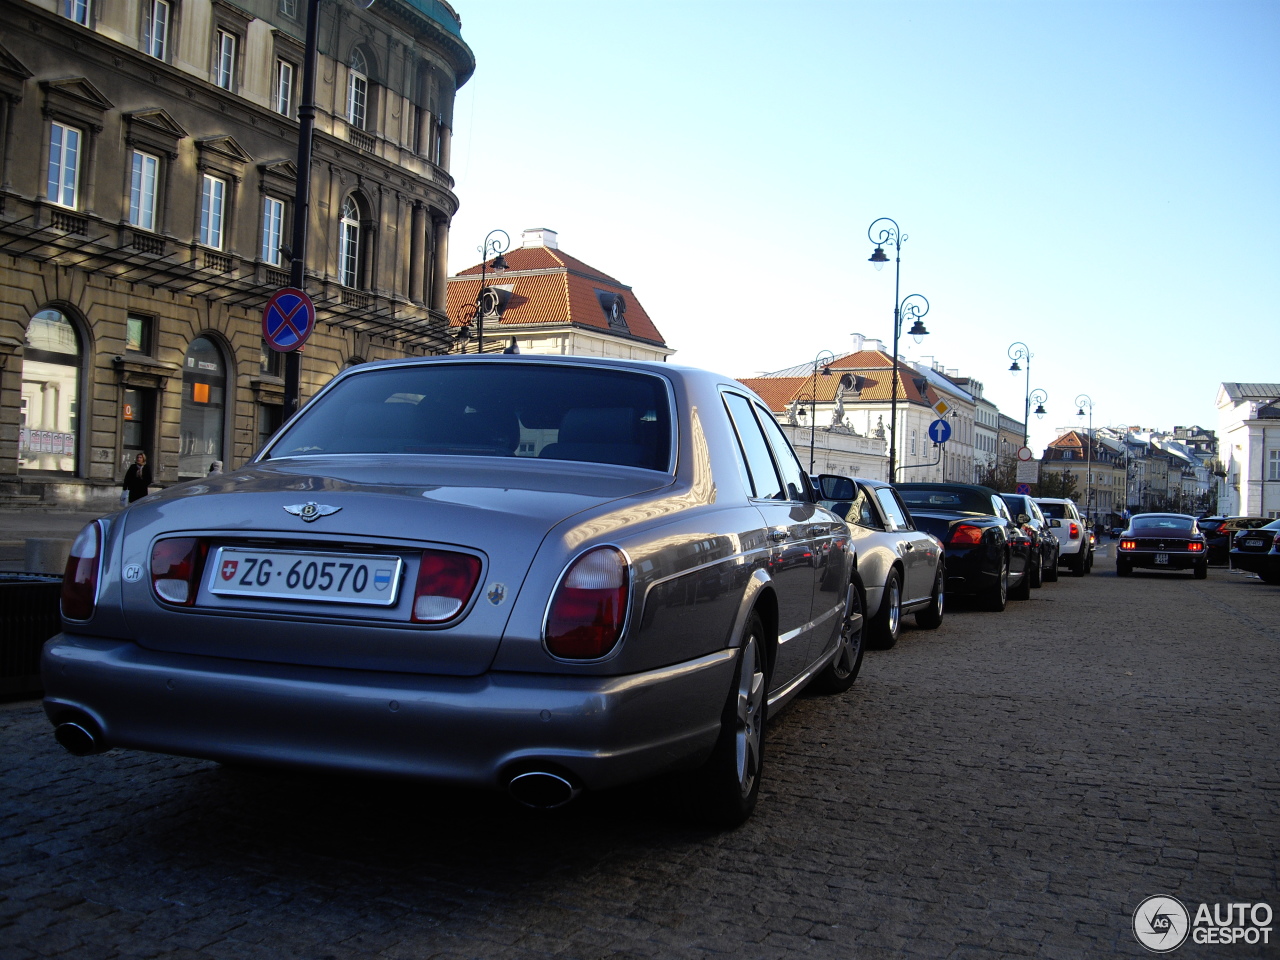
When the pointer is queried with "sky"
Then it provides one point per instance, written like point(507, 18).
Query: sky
point(1098, 181)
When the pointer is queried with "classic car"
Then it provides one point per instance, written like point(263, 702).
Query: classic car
point(1258, 551)
point(1044, 543)
point(532, 574)
point(987, 556)
point(1162, 541)
point(901, 567)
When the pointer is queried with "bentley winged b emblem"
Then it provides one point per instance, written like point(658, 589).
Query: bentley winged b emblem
point(311, 510)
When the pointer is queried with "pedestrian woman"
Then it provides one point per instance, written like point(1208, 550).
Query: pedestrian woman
point(137, 478)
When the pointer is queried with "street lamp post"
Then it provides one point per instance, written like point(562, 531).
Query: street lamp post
point(889, 233)
point(1082, 402)
point(813, 397)
point(494, 246)
point(1020, 351)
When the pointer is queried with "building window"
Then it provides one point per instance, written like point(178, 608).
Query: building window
point(913, 443)
point(270, 417)
point(357, 90)
point(64, 165)
point(142, 191)
point(225, 60)
point(284, 87)
point(289, 8)
point(77, 10)
point(137, 336)
point(269, 361)
point(212, 203)
point(49, 425)
point(1273, 465)
point(155, 28)
point(272, 230)
point(204, 385)
point(349, 244)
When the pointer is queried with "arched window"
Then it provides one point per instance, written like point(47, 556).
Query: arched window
point(48, 436)
point(349, 244)
point(358, 90)
point(204, 391)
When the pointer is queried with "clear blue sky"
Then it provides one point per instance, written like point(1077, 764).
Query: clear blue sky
point(1099, 180)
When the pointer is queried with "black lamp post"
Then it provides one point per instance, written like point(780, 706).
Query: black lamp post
point(813, 397)
point(1020, 351)
point(890, 234)
point(1083, 402)
point(494, 246)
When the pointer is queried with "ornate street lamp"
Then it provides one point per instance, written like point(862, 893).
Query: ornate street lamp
point(1020, 351)
point(913, 305)
point(493, 246)
point(1083, 402)
point(813, 397)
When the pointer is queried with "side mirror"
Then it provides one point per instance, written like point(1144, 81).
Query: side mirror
point(1054, 522)
point(835, 488)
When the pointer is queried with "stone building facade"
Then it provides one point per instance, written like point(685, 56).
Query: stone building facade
point(149, 167)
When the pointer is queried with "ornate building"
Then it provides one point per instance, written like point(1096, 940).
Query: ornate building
point(149, 151)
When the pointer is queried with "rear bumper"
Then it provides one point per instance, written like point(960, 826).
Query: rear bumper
point(473, 731)
point(1255, 562)
point(1147, 560)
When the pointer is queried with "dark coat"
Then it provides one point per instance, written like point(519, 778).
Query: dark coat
point(136, 481)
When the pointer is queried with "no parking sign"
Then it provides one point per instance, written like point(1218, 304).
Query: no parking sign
point(288, 320)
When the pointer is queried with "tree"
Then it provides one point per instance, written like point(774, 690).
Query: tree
point(1001, 475)
point(1062, 486)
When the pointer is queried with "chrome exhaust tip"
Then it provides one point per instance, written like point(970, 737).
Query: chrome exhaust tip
point(77, 740)
point(542, 790)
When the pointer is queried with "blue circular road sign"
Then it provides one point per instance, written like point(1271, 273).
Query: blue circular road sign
point(288, 320)
point(940, 431)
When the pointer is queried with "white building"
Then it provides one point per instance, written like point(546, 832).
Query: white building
point(1249, 447)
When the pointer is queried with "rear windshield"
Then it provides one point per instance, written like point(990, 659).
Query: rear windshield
point(542, 411)
point(1058, 511)
point(1180, 524)
point(959, 501)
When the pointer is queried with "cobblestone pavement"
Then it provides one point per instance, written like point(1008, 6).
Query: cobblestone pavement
point(1011, 785)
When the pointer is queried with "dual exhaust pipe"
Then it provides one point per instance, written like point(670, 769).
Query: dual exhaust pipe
point(539, 789)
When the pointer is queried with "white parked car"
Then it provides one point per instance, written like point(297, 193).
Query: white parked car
point(1075, 545)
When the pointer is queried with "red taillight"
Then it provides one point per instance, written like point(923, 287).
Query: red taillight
point(966, 535)
point(1195, 547)
point(445, 584)
point(1128, 544)
point(1074, 532)
point(589, 608)
point(176, 566)
point(80, 580)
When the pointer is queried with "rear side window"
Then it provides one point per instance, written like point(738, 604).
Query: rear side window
point(543, 411)
point(761, 475)
point(793, 475)
point(892, 509)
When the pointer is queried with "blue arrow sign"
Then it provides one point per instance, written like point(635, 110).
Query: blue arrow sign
point(940, 431)
point(288, 320)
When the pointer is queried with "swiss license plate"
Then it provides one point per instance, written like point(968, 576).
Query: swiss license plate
point(1253, 543)
point(1162, 558)
point(298, 575)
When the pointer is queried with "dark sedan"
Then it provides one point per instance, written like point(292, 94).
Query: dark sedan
point(1044, 545)
point(987, 555)
point(1258, 551)
point(1162, 541)
point(1220, 532)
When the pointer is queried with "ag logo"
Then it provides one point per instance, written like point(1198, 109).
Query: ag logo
point(1161, 924)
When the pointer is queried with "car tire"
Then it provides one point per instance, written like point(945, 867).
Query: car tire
point(1035, 572)
point(1123, 569)
point(838, 675)
point(887, 623)
point(730, 779)
point(1078, 568)
point(930, 618)
point(1051, 571)
point(1088, 563)
point(1023, 590)
point(997, 597)
point(1201, 571)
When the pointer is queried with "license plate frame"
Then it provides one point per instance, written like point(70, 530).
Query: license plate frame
point(1162, 558)
point(378, 576)
point(1252, 543)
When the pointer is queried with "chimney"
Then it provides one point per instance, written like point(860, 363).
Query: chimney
point(858, 341)
point(539, 237)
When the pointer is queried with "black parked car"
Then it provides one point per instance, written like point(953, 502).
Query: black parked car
point(987, 554)
point(1258, 551)
point(1219, 532)
point(1044, 545)
point(1162, 541)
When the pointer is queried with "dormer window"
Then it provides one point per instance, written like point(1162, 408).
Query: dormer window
point(614, 306)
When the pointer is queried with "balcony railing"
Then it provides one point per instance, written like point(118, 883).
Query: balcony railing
point(217, 263)
point(69, 223)
point(361, 140)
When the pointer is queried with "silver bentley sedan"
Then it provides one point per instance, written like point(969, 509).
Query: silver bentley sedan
point(538, 574)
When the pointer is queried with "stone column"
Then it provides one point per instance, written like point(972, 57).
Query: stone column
point(417, 252)
point(440, 275)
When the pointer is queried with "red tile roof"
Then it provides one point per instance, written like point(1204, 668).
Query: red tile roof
point(872, 366)
point(550, 287)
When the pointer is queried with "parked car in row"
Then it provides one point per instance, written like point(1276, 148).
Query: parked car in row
point(1044, 544)
point(987, 555)
point(1162, 541)
point(1257, 550)
point(1074, 541)
point(1220, 532)
point(534, 574)
point(901, 567)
